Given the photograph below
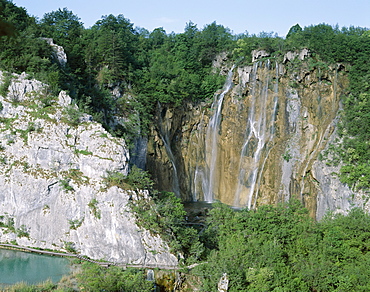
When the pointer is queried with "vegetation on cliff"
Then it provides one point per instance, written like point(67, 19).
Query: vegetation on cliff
point(269, 249)
point(282, 249)
point(144, 68)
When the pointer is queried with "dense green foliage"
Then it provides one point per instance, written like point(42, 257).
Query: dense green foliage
point(137, 179)
point(282, 249)
point(165, 215)
point(96, 278)
point(269, 249)
point(146, 67)
point(151, 67)
point(274, 248)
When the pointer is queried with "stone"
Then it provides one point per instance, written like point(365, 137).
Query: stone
point(289, 56)
point(58, 51)
point(50, 173)
point(270, 110)
point(258, 54)
point(223, 284)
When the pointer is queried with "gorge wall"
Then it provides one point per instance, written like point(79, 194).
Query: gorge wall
point(53, 195)
point(261, 139)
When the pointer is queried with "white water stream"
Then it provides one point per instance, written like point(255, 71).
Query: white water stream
point(163, 134)
point(259, 132)
point(209, 177)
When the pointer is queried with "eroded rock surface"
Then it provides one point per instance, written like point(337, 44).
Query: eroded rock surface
point(52, 181)
point(274, 122)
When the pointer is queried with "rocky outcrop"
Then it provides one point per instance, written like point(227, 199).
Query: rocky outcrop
point(274, 122)
point(58, 51)
point(53, 194)
point(258, 54)
point(289, 56)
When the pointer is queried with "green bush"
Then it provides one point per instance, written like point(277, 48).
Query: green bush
point(4, 87)
point(24, 287)
point(74, 224)
point(136, 179)
point(22, 231)
point(64, 183)
point(96, 278)
point(94, 208)
point(72, 115)
point(279, 248)
point(69, 247)
point(165, 215)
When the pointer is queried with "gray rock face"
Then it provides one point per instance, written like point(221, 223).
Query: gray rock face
point(333, 195)
point(289, 56)
point(58, 51)
point(52, 181)
point(258, 54)
point(275, 121)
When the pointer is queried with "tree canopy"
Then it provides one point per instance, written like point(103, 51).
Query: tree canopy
point(150, 67)
point(282, 249)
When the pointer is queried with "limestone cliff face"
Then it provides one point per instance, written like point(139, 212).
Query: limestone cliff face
point(260, 140)
point(52, 186)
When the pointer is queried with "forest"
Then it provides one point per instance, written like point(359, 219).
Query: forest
point(274, 248)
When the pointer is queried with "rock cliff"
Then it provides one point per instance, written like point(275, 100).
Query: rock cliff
point(259, 141)
point(52, 192)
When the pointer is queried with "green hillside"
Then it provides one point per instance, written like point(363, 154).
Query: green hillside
point(270, 249)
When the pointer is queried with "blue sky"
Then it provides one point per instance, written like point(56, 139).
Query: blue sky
point(238, 15)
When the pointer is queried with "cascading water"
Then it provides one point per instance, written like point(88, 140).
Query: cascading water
point(259, 132)
point(208, 175)
point(272, 125)
point(261, 141)
point(163, 134)
point(175, 177)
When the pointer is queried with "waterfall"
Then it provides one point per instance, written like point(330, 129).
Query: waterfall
point(163, 134)
point(209, 177)
point(175, 177)
point(259, 133)
point(271, 131)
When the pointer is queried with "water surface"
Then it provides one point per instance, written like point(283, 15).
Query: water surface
point(18, 266)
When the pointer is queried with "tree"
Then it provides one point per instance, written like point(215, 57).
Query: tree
point(157, 37)
point(294, 30)
point(63, 26)
point(115, 39)
point(6, 28)
point(213, 39)
point(96, 278)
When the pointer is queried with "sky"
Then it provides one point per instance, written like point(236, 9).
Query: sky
point(238, 15)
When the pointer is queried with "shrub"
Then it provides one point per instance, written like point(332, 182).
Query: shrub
point(69, 247)
point(72, 115)
point(96, 278)
point(94, 208)
point(22, 231)
point(64, 183)
point(74, 224)
point(136, 179)
point(4, 87)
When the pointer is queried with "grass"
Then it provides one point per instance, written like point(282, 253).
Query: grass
point(76, 176)
point(83, 152)
point(64, 183)
point(74, 224)
point(4, 87)
point(94, 208)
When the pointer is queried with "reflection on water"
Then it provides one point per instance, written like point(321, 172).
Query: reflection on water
point(18, 266)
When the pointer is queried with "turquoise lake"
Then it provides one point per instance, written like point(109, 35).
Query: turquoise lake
point(18, 266)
